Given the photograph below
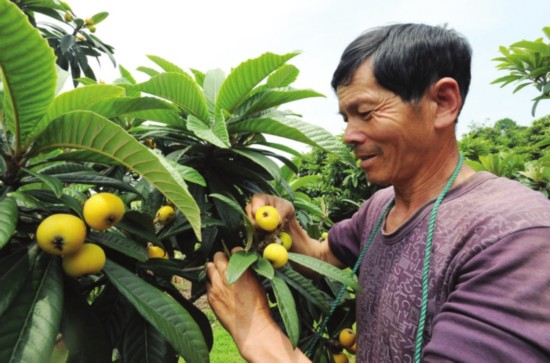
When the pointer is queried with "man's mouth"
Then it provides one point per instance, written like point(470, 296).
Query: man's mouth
point(366, 157)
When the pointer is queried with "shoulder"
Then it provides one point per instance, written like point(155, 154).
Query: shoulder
point(489, 200)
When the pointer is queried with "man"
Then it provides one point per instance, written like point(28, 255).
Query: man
point(462, 255)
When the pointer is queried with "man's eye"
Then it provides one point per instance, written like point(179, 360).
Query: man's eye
point(365, 115)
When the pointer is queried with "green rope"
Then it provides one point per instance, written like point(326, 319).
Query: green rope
point(427, 257)
point(425, 268)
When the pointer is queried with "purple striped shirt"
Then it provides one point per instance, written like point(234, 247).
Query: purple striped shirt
point(489, 282)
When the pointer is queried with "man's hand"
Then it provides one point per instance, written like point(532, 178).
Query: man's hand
point(243, 310)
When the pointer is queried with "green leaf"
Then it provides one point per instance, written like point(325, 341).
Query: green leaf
point(17, 268)
point(283, 77)
point(272, 98)
point(99, 17)
point(141, 342)
point(296, 130)
point(9, 214)
point(27, 72)
point(93, 178)
point(162, 312)
point(29, 327)
point(54, 184)
point(180, 89)
point(237, 208)
point(242, 80)
point(263, 161)
point(211, 86)
point(305, 287)
point(119, 243)
point(89, 131)
point(82, 332)
point(76, 99)
point(287, 308)
point(119, 106)
point(304, 181)
point(264, 268)
point(325, 269)
point(239, 262)
point(204, 132)
point(140, 225)
point(166, 65)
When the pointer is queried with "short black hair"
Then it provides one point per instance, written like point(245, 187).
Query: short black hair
point(408, 58)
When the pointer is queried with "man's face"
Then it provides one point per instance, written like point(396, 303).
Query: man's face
point(389, 136)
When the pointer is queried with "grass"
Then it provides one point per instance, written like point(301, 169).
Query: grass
point(224, 349)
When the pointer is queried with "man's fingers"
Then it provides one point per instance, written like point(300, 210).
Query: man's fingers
point(236, 249)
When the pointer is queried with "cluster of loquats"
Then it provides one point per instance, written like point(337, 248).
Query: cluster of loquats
point(164, 216)
point(65, 234)
point(276, 242)
point(346, 338)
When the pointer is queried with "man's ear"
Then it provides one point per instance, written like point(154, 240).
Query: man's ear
point(447, 98)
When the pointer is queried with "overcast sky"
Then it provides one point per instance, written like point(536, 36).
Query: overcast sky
point(208, 34)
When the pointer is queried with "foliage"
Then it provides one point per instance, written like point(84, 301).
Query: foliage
point(196, 141)
point(507, 149)
point(527, 63)
point(505, 134)
point(340, 189)
point(70, 36)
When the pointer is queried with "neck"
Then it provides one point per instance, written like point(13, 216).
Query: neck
point(424, 186)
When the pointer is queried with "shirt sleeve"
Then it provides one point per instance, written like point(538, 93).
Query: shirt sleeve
point(499, 310)
point(344, 237)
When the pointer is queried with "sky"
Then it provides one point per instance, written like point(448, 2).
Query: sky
point(210, 34)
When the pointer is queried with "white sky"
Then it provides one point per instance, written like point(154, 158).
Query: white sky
point(208, 34)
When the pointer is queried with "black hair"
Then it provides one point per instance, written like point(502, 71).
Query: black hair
point(408, 58)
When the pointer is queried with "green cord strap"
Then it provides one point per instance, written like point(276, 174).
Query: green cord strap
point(427, 258)
point(425, 268)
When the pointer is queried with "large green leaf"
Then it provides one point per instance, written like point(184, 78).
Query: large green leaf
point(241, 81)
point(212, 82)
point(119, 243)
point(82, 331)
point(305, 287)
point(27, 69)
point(141, 342)
point(17, 268)
point(263, 161)
point(296, 130)
point(89, 131)
point(129, 105)
point(180, 89)
point(283, 77)
point(162, 312)
point(8, 219)
point(77, 99)
point(166, 65)
point(325, 269)
point(205, 132)
point(287, 308)
point(273, 98)
point(87, 178)
point(29, 327)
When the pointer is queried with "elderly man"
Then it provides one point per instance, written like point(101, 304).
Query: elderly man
point(453, 263)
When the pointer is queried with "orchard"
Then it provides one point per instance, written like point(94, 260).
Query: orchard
point(110, 191)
